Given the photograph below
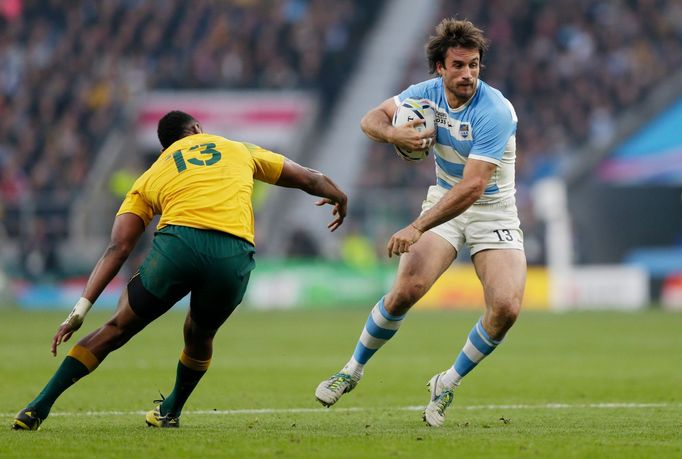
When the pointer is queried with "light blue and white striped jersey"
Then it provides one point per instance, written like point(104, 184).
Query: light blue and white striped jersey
point(484, 128)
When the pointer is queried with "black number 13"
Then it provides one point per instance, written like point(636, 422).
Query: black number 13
point(504, 235)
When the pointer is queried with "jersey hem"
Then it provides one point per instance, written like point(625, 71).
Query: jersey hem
point(204, 228)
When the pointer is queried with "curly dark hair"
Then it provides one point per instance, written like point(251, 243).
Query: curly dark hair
point(453, 33)
point(174, 126)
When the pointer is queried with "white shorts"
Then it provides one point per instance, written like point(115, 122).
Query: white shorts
point(481, 226)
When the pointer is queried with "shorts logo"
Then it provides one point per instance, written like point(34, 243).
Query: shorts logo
point(464, 130)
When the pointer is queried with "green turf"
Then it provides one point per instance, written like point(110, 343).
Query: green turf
point(274, 360)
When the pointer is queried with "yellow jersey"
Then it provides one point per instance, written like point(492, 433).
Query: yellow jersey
point(204, 181)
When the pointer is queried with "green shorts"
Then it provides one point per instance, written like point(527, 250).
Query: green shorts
point(212, 265)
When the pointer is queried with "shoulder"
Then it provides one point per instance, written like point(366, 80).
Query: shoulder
point(426, 89)
point(260, 154)
point(213, 138)
point(494, 105)
point(430, 85)
point(223, 144)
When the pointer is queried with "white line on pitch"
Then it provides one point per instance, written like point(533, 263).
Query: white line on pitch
point(548, 406)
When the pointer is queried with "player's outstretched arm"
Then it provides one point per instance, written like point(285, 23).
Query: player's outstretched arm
point(125, 233)
point(377, 124)
point(316, 183)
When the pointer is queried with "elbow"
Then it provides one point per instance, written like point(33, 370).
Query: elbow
point(120, 249)
point(364, 124)
point(376, 125)
point(368, 122)
point(476, 190)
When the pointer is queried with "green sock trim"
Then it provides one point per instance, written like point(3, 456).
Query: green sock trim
point(70, 371)
point(186, 380)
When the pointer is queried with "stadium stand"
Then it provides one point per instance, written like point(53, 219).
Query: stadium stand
point(570, 68)
point(69, 68)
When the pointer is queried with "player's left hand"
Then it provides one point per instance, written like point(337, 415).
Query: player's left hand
point(72, 323)
point(339, 210)
point(401, 241)
point(408, 137)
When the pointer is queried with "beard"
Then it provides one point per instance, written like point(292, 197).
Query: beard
point(464, 92)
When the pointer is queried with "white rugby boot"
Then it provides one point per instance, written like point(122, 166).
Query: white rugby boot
point(330, 390)
point(441, 398)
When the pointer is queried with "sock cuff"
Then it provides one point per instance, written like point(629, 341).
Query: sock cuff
point(194, 364)
point(385, 313)
point(84, 356)
point(484, 334)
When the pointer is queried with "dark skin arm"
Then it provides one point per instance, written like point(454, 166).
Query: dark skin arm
point(125, 233)
point(316, 183)
point(476, 176)
point(129, 227)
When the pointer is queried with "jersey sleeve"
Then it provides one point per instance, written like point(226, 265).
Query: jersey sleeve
point(416, 91)
point(136, 203)
point(491, 136)
point(268, 165)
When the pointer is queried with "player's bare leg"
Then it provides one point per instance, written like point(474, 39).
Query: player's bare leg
point(116, 332)
point(503, 275)
point(418, 270)
point(82, 360)
point(193, 364)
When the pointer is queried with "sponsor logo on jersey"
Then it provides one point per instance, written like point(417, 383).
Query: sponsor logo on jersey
point(464, 130)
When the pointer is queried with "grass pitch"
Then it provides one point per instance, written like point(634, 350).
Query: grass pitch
point(561, 385)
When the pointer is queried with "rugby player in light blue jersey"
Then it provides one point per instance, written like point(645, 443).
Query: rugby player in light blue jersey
point(472, 203)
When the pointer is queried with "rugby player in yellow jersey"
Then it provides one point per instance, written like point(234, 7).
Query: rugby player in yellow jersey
point(201, 185)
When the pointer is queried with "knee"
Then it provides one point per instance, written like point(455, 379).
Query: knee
point(198, 338)
point(402, 297)
point(505, 311)
point(114, 327)
point(117, 332)
point(197, 333)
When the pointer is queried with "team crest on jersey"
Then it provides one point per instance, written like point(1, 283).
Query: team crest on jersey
point(464, 130)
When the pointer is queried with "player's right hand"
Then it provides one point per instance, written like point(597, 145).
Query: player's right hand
point(409, 138)
point(401, 241)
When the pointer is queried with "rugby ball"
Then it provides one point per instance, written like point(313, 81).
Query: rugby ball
point(412, 109)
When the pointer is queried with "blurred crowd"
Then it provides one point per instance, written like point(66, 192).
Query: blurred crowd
point(69, 68)
point(569, 67)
